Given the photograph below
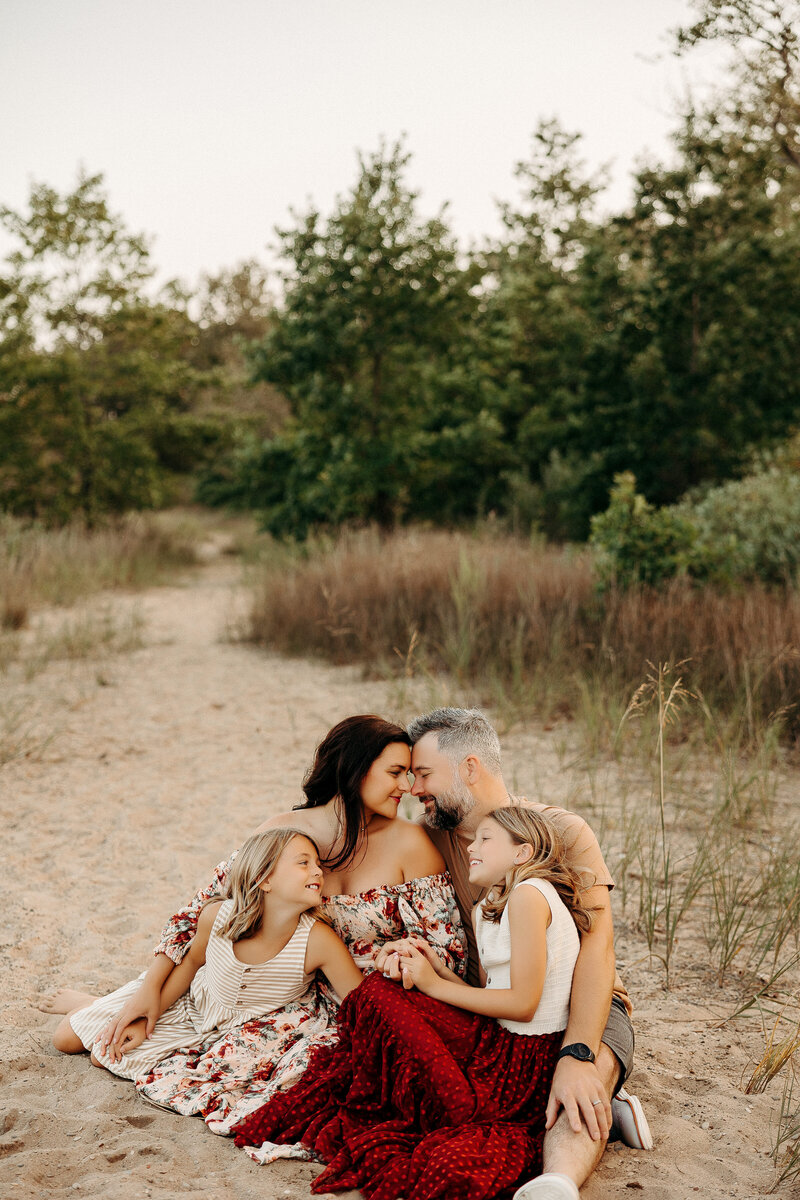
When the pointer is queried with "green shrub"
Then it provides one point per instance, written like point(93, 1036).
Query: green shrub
point(744, 531)
point(637, 543)
point(748, 529)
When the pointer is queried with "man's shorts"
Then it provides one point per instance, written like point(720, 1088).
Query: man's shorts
point(618, 1036)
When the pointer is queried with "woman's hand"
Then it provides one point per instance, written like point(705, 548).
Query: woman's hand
point(388, 959)
point(131, 1036)
point(416, 971)
point(145, 1004)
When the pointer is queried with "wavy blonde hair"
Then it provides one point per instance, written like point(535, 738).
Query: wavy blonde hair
point(528, 827)
point(254, 862)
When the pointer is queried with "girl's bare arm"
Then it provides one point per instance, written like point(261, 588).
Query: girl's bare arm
point(327, 952)
point(180, 979)
point(528, 918)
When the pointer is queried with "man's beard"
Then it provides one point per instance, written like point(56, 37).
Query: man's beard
point(450, 807)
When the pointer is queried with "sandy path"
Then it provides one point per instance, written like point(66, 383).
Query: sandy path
point(161, 761)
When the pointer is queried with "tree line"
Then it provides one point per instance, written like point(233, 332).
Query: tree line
point(395, 378)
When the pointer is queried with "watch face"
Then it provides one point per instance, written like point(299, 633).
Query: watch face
point(580, 1051)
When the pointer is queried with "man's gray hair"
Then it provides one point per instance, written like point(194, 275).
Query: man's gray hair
point(460, 732)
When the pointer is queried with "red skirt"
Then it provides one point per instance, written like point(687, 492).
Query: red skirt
point(416, 1099)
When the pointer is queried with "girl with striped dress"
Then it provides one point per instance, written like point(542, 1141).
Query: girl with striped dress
point(254, 952)
point(383, 880)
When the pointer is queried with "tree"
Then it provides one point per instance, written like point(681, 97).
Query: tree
point(371, 351)
point(234, 309)
point(765, 38)
point(538, 330)
point(74, 266)
point(96, 386)
point(694, 363)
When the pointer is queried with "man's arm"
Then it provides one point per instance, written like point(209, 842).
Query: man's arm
point(577, 1085)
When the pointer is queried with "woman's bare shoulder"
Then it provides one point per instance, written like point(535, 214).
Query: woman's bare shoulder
point(295, 818)
point(420, 856)
point(411, 833)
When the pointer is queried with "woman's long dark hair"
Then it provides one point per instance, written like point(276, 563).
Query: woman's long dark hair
point(343, 758)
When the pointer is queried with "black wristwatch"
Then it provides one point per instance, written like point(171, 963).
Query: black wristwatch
point(577, 1050)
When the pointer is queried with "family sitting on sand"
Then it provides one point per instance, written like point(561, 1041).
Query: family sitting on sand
point(489, 1036)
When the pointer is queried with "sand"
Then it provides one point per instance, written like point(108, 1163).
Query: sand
point(147, 767)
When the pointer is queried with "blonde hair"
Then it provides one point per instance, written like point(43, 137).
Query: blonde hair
point(254, 862)
point(549, 861)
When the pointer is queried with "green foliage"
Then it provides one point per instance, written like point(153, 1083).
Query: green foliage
point(61, 453)
point(765, 38)
point(74, 265)
point(637, 543)
point(742, 531)
point(536, 334)
point(397, 379)
point(97, 381)
point(391, 416)
point(748, 529)
point(662, 341)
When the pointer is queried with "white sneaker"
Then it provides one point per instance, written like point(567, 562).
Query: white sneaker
point(630, 1122)
point(548, 1187)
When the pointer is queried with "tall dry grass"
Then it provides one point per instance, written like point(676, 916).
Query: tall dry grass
point(58, 566)
point(513, 621)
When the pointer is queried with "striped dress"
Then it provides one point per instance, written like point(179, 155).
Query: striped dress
point(224, 994)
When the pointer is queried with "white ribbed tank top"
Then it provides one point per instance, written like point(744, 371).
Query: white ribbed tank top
point(563, 943)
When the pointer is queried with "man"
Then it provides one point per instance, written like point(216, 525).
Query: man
point(458, 780)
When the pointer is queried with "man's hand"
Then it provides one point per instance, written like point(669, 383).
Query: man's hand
point(130, 1037)
point(577, 1088)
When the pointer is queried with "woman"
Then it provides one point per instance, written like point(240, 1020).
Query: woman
point(383, 879)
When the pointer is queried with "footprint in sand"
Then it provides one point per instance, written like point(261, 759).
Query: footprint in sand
point(8, 1120)
point(139, 1122)
point(155, 1153)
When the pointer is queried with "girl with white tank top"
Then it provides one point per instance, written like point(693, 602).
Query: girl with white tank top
point(256, 951)
point(526, 928)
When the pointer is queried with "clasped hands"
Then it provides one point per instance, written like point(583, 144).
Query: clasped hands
point(411, 961)
point(132, 1025)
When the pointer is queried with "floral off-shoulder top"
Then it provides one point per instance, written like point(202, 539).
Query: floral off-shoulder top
point(424, 907)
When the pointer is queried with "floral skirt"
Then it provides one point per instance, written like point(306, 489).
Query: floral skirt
point(416, 1099)
point(231, 1074)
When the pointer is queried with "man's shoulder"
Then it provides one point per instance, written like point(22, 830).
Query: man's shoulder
point(562, 817)
point(581, 845)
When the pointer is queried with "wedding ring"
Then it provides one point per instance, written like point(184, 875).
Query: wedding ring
point(596, 1102)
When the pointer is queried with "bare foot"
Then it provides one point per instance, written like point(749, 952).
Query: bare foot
point(64, 1001)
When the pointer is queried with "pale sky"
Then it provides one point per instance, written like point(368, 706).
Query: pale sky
point(211, 119)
